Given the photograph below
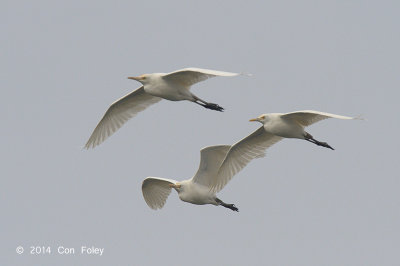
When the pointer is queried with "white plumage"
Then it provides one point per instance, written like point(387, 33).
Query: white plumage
point(275, 127)
point(218, 164)
point(291, 125)
point(174, 86)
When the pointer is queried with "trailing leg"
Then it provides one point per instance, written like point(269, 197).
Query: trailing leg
point(229, 206)
point(212, 106)
point(310, 138)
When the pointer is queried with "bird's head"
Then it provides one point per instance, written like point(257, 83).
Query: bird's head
point(176, 186)
point(262, 119)
point(142, 78)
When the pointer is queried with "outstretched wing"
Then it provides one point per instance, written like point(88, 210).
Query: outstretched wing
point(189, 76)
point(309, 117)
point(156, 191)
point(241, 153)
point(210, 161)
point(118, 113)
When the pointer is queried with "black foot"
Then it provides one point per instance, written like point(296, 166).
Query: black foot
point(213, 106)
point(229, 206)
point(324, 144)
point(232, 207)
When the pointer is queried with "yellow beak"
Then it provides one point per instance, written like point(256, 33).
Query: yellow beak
point(136, 78)
point(254, 120)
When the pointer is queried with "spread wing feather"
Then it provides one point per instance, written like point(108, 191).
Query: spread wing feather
point(119, 113)
point(210, 161)
point(309, 117)
point(241, 153)
point(189, 76)
point(156, 191)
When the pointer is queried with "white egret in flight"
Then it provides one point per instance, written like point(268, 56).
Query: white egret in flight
point(218, 164)
point(174, 86)
point(291, 125)
point(195, 190)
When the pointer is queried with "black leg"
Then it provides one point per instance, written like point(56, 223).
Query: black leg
point(212, 106)
point(229, 206)
point(310, 138)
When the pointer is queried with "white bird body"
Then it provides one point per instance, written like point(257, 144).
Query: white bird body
point(188, 191)
point(286, 128)
point(291, 125)
point(218, 164)
point(194, 190)
point(276, 126)
point(174, 86)
point(196, 193)
point(157, 85)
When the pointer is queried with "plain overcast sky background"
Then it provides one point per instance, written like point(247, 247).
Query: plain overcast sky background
point(62, 63)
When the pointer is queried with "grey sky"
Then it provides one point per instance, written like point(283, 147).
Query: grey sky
point(63, 63)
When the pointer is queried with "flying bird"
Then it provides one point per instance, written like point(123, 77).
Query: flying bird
point(174, 86)
point(275, 128)
point(291, 125)
point(218, 164)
